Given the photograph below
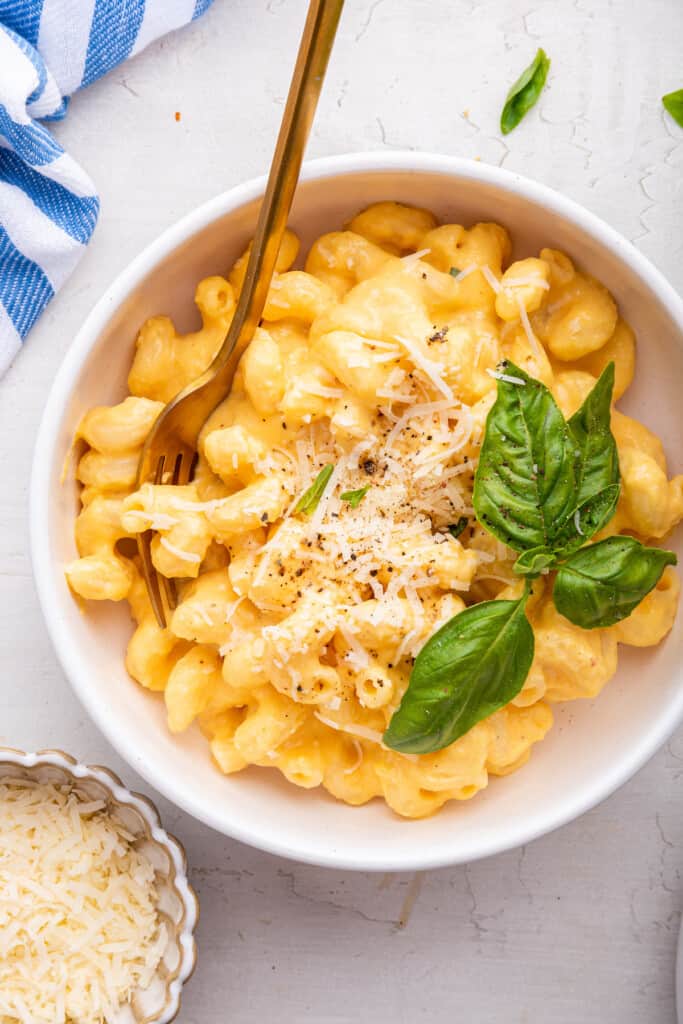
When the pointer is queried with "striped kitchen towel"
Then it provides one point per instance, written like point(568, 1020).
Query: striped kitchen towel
point(48, 205)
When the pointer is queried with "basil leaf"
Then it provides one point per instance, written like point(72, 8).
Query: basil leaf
point(525, 92)
point(603, 583)
point(455, 529)
point(673, 103)
point(586, 520)
point(592, 431)
point(525, 484)
point(471, 667)
point(309, 500)
point(354, 498)
point(533, 561)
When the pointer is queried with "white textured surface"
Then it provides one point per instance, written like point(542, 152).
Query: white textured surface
point(580, 925)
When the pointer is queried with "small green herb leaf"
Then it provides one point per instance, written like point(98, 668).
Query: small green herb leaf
point(454, 272)
point(525, 92)
point(673, 103)
point(525, 484)
point(534, 561)
point(591, 429)
point(308, 502)
point(603, 583)
point(586, 521)
point(354, 498)
point(455, 529)
point(471, 667)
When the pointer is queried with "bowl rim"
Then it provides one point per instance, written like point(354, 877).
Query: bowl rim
point(126, 281)
point(148, 811)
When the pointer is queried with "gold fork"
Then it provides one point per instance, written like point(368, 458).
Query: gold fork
point(170, 451)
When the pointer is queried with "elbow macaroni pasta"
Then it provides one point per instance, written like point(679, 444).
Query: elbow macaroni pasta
point(294, 636)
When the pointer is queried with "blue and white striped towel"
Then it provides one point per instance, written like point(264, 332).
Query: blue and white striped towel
point(48, 205)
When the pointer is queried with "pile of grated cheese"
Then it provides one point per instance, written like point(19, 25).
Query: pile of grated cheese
point(79, 929)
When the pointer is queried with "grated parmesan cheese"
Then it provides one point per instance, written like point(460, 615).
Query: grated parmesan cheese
point(185, 556)
point(491, 278)
point(531, 337)
point(363, 732)
point(352, 729)
point(79, 929)
point(323, 391)
point(153, 520)
point(462, 274)
point(414, 257)
point(508, 377)
point(521, 282)
point(431, 369)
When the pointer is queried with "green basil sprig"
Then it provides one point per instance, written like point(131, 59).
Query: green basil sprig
point(470, 668)
point(603, 583)
point(543, 486)
point(354, 498)
point(310, 499)
point(525, 92)
point(525, 485)
point(673, 104)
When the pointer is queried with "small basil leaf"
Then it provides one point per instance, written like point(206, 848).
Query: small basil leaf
point(673, 103)
point(471, 667)
point(586, 521)
point(591, 429)
point(354, 498)
point(309, 500)
point(525, 486)
point(455, 529)
point(603, 583)
point(525, 92)
point(534, 561)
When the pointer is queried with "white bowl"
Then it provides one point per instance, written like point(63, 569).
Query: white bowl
point(594, 746)
point(159, 1002)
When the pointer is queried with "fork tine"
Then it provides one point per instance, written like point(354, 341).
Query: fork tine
point(185, 468)
point(180, 464)
point(170, 593)
point(150, 576)
point(149, 573)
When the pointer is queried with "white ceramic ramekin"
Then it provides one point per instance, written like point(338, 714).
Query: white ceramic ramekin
point(594, 747)
point(159, 1003)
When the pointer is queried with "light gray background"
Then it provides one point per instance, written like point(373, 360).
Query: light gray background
point(580, 925)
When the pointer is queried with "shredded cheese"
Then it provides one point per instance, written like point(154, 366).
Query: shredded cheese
point(508, 377)
point(414, 257)
point(431, 369)
point(232, 608)
point(352, 729)
point(323, 391)
point(357, 657)
point(491, 278)
point(185, 556)
point(466, 271)
point(531, 337)
point(521, 282)
point(153, 520)
point(363, 732)
point(79, 928)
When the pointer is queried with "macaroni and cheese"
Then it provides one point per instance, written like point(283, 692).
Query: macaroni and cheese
point(294, 636)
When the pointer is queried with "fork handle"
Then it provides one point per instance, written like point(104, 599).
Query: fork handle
point(314, 52)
